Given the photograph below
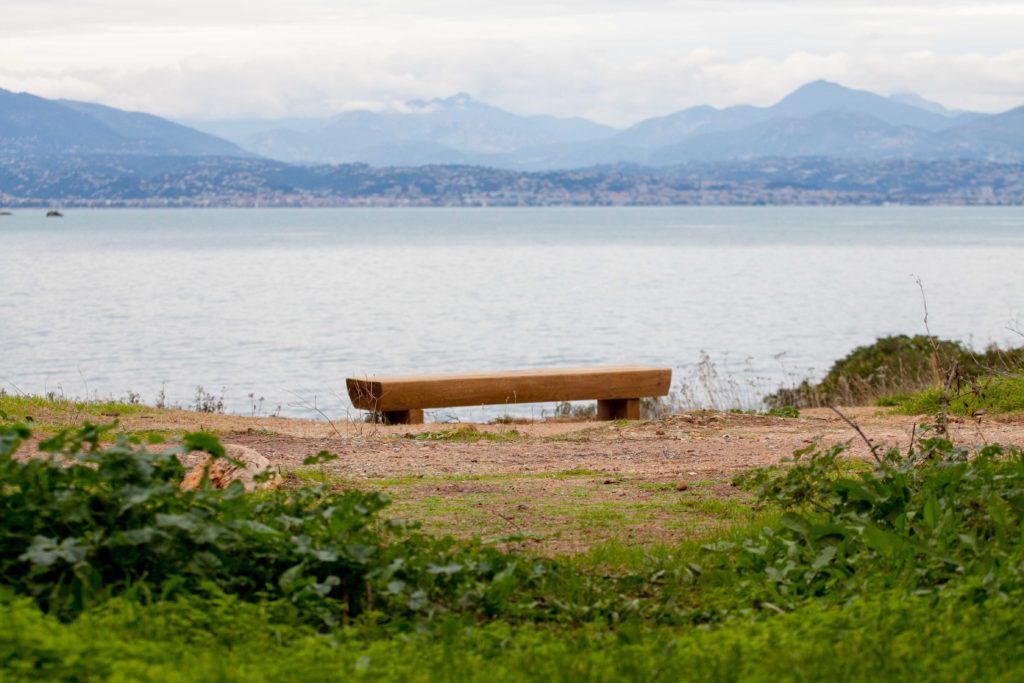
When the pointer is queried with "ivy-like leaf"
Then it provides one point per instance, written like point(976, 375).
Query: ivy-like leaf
point(205, 442)
point(45, 552)
point(320, 458)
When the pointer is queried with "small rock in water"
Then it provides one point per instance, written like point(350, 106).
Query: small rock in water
point(250, 464)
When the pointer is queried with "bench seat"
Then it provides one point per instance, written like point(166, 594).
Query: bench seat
point(617, 390)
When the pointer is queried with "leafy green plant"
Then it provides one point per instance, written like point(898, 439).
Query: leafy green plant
point(939, 518)
point(784, 411)
point(92, 521)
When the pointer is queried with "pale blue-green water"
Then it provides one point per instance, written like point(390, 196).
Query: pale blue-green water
point(285, 304)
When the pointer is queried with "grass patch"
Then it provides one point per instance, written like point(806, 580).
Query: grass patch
point(994, 395)
point(314, 475)
point(619, 555)
point(780, 411)
point(673, 486)
point(466, 435)
point(26, 405)
point(566, 511)
point(259, 432)
point(576, 472)
point(152, 437)
point(886, 637)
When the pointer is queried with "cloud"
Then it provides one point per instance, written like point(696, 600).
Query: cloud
point(612, 61)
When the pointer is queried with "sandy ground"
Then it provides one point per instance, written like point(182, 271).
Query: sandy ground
point(567, 487)
point(704, 444)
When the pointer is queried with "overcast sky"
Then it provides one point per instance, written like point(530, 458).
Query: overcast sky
point(616, 62)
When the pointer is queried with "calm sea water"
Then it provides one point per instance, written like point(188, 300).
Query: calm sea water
point(284, 304)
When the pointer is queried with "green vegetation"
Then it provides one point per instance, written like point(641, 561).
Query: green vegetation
point(575, 411)
point(882, 638)
point(781, 411)
point(906, 569)
point(31, 408)
point(993, 395)
point(558, 511)
point(467, 434)
point(898, 365)
point(152, 437)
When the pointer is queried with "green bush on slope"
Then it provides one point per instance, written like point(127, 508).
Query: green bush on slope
point(898, 364)
point(993, 395)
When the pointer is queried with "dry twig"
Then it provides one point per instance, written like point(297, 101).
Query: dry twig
point(872, 447)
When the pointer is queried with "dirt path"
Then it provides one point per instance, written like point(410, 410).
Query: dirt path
point(559, 487)
point(705, 443)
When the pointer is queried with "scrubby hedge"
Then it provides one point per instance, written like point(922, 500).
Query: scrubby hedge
point(898, 364)
point(91, 522)
point(908, 566)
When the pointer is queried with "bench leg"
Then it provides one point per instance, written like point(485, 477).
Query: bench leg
point(399, 417)
point(619, 409)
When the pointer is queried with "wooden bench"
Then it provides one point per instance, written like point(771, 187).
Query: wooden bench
point(617, 389)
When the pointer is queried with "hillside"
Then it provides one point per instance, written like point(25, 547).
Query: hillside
point(34, 126)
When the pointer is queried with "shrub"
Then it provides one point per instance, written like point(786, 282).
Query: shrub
point(941, 518)
point(1000, 394)
point(91, 522)
point(896, 365)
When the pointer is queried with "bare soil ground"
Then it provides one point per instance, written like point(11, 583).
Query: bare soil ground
point(563, 487)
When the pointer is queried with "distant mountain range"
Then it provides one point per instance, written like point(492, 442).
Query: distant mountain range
point(823, 143)
point(820, 119)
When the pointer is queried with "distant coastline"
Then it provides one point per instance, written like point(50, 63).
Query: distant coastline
point(142, 181)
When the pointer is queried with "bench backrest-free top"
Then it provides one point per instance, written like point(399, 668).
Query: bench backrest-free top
point(417, 392)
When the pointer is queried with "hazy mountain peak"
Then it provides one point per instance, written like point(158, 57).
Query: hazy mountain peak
point(819, 96)
point(459, 100)
point(821, 85)
point(915, 100)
